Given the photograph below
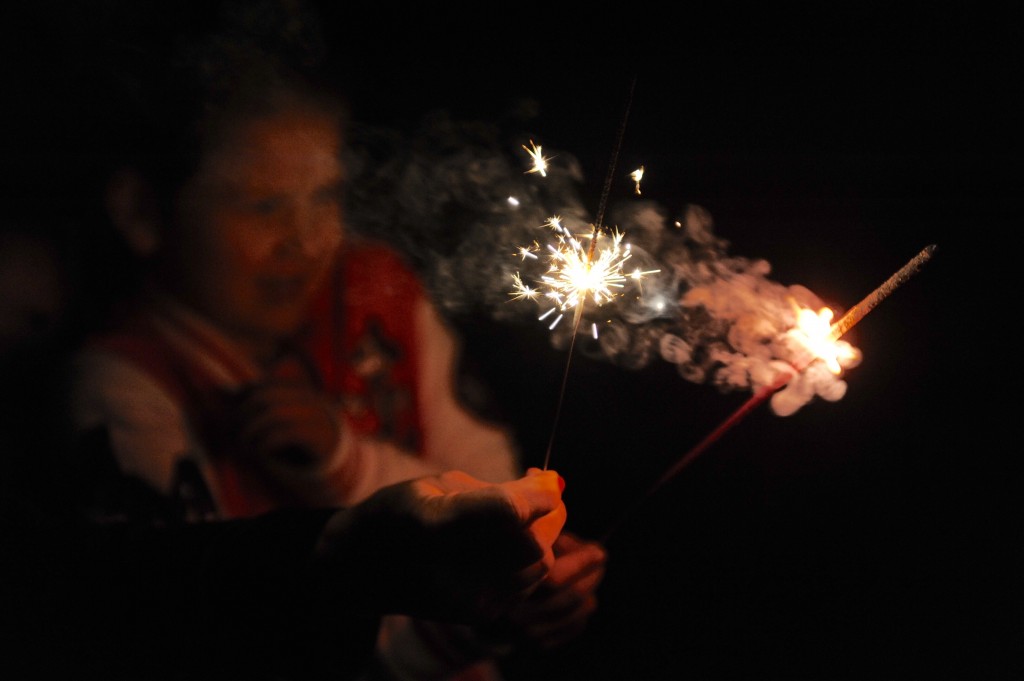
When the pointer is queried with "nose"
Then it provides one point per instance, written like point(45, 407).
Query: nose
point(309, 233)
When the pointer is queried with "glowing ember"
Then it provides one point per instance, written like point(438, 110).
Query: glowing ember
point(814, 332)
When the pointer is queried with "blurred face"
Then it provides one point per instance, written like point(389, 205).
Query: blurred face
point(258, 226)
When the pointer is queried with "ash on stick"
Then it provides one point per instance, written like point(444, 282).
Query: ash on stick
point(857, 312)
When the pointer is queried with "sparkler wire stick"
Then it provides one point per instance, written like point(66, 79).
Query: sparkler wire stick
point(845, 323)
point(606, 190)
point(857, 312)
point(590, 256)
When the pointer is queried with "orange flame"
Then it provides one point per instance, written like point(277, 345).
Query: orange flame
point(814, 332)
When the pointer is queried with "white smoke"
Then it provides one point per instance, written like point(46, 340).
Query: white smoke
point(456, 198)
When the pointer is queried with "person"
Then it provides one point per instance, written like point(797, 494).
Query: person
point(294, 593)
point(270, 360)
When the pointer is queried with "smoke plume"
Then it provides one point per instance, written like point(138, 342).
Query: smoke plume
point(457, 198)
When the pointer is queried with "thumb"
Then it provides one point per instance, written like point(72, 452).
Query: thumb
point(534, 495)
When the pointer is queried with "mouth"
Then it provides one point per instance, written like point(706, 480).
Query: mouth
point(281, 290)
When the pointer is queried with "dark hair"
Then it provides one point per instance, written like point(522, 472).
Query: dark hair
point(173, 95)
point(157, 82)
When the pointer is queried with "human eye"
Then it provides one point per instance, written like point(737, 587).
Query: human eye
point(264, 206)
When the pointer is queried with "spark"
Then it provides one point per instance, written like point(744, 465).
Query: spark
point(576, 276)
point(578, 271)
point(525, 252)
point(520, 290)
point(575, 273)
point(639, 274)
point(540, 162)
point(594, 277)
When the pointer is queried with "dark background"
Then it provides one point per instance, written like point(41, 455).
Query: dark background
point(874, 536)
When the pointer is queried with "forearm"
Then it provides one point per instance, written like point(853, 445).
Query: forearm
point(454, 437)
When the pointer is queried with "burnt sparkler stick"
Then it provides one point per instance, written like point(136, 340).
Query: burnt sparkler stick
point(836, 331)
point(857, 312)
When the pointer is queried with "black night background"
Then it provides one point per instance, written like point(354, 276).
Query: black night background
point(871, 537)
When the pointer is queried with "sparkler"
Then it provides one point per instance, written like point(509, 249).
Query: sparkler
point(816, 346)
point(575, 273)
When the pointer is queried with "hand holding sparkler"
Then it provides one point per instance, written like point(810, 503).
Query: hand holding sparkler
point(560, 608)
point(478, 548)
point(574, 275)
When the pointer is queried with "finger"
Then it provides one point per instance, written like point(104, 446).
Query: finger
point(582, 561)
point(510, 591)
point(547, 626)
point(459, 481)
point(547, 603)
point(526, 580)
point(591, 579)
point(444, 488)
point(564, 589)
point(552, 634)
point(568, 542)
point(506, 516)
point(534, 495)
point(257, 405)
point(545, 530)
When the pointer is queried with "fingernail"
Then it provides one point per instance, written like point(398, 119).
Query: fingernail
point(561, 484)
